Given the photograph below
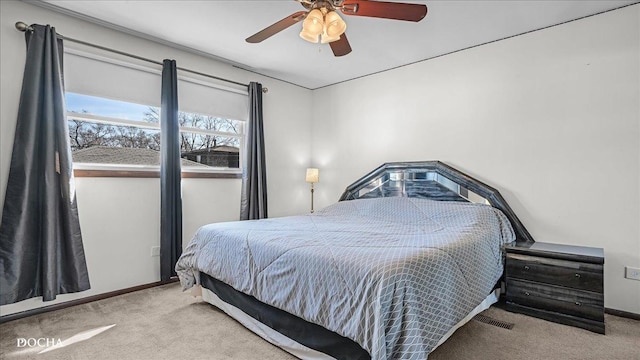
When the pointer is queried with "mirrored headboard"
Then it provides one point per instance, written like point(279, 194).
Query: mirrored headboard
point(433, 180)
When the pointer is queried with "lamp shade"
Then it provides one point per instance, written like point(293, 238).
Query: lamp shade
point(313, 175)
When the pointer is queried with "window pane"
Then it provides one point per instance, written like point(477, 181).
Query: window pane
point(210, 151)
point(85, 104)
point(116, 139)
point(211, 123)
point(113, 144)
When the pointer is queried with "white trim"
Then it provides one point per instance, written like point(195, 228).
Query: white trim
point(115, 167)
point(210, 132)
point(112, 121)
point(210, 169)
point(150, 168)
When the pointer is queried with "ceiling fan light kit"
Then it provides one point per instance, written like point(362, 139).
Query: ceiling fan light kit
point(322, 21)
point(326, 24)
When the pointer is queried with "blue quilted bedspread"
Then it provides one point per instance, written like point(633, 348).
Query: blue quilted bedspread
point(392, 274)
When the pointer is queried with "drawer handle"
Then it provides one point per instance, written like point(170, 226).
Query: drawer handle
point(526, 293)
point(577, 275)
point(526, 267)
point(578, 303)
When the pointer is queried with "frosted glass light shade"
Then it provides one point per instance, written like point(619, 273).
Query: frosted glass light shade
point(313, 175)
point(313, 23)
point(308, 36)
point(334, 26)
point(312, 26)
point(329, 27)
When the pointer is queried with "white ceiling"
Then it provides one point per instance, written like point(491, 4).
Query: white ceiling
point(218, 28)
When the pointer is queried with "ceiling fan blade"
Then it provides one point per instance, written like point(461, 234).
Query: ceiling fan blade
point(340, 47)
point(385, 10)
point(276, 28)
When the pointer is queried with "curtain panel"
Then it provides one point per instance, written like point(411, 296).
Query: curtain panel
point(254, 175)
point(170, 174)
point(41, 250)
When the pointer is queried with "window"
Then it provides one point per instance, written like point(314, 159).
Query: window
point(113, 116)
point(111, 133)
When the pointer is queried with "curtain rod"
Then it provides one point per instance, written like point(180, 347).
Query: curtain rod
point(21, 26)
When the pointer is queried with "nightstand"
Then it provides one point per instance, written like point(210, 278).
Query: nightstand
point(559, 283)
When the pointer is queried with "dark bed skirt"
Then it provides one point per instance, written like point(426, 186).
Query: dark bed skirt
point(308, 334)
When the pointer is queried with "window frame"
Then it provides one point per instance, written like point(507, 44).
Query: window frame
point(144, 171)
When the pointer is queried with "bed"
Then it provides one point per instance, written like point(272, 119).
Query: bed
point(410, 253)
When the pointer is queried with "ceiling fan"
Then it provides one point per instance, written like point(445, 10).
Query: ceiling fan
point(322, 22)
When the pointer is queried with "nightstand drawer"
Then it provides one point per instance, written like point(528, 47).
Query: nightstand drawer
point(578, 303)
point(572, 274)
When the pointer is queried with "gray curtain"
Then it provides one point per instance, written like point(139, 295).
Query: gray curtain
point(170, 174)
point(41, 251)
point(254, 176)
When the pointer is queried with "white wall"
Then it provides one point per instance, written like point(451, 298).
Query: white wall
point(120, 218)
point(549, 118)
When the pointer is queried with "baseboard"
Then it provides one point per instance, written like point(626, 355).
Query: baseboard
point(88, 299)
point(624, 314)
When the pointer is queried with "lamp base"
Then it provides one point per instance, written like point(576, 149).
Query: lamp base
point(312, 198)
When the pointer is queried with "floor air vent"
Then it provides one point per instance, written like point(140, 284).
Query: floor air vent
point(491, 321)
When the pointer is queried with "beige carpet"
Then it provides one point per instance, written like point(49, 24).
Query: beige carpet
point(163, 323)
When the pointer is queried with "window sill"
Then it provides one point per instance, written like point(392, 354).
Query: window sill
point(151, 174)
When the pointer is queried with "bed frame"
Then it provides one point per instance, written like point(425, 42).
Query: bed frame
point(426, 179)
point(432, 180)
